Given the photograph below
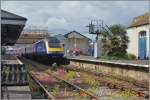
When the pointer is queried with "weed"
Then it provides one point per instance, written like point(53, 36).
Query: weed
point(98, 71)
point(56, 89)
point(128, 93)
point(93, 89)
point(88, 79)
point(70, 75)
point(48, 71)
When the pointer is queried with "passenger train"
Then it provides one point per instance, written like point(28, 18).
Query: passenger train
point(47, 50)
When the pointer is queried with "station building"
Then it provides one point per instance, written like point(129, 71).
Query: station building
point(11, 27)
point(138, 33)
point(75, 40)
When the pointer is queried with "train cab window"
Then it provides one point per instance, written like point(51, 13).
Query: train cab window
point(54, 45)
point(53, 42)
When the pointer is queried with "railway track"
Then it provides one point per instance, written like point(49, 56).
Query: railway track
point(74, 90)
point(141, 84)
point(141, 89)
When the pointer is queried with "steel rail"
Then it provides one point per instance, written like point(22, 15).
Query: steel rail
point(50, 96)
point(134, 82)
point(114, 85)
point(91, 96)
point(79, 88)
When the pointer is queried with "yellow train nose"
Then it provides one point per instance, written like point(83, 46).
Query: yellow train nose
point(55, 49)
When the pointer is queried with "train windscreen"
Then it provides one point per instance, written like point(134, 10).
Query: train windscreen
point(53, 42)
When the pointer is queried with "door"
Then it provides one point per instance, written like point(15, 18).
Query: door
point(142, 45)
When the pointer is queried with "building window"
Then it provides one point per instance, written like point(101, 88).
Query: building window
point(142, 34)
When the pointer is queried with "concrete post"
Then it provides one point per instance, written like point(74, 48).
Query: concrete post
point(98, 48)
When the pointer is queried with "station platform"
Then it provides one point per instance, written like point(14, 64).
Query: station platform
point(10, 59)
point(14, 84)
point(16, 92)
point(135, 69)
point(130, 62)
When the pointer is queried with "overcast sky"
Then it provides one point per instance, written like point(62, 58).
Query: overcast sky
point(63, 16)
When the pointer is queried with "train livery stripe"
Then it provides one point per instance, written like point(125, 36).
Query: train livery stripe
point(55, 49)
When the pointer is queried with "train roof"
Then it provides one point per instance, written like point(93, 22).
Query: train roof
point(52, 39)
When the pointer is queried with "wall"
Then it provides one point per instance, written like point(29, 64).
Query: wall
point(81, 42)
point(134, 72)
point(133, 34)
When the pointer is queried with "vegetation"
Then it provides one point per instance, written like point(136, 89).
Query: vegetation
point(128, 93)
point(98, 70)
point(88, 79)
point(93, 89)
point(56, 89)
point(47, 71)
point(124, 95)
point(117, 57)
point(35, 90)
point(131, 56)
point(115, 45)
point(70, 75)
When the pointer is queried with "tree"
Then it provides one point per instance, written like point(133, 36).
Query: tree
point(117, 43)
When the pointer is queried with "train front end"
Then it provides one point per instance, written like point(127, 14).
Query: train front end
point(55, 49)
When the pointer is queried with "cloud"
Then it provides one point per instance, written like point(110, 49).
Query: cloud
point(57, 23)
point(75, 15)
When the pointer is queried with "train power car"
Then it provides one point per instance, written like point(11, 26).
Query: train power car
point(48, 50)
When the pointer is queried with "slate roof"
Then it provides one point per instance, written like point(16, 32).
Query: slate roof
point(11, 27)
point(11, 16)
point(140, 20)
point(66, 35)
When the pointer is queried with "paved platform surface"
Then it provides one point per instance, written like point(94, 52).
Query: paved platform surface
point(141, 62)
point(10, 59)
point(16, 92)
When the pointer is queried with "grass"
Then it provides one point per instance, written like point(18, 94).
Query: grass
point(93, 89)
point(124, 95)
point(56, 89)
point(35, 90)
point(88, 79)
point(128, 93)
point(47, 71)
point(70, 75)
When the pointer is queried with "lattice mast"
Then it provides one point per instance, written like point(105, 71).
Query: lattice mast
point(96, 27)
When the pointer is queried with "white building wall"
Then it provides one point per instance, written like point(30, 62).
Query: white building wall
point(83, 44)
point(75, 40)
point(133, 34)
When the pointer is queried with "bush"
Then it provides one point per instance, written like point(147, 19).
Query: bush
point(131, 56)
point(119, 56)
